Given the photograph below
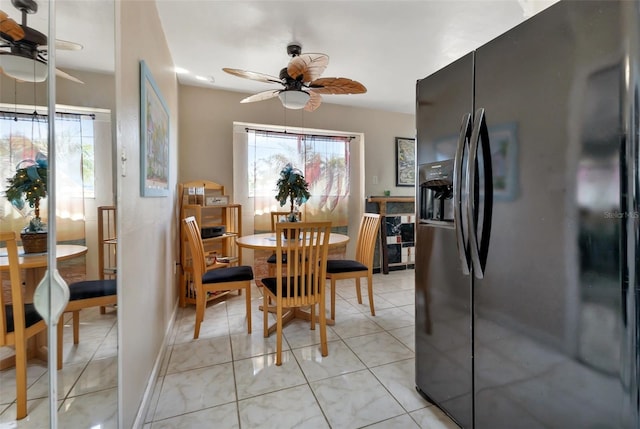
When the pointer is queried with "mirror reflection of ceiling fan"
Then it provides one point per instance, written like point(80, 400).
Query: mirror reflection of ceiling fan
point(23, 50)
point(301, 81)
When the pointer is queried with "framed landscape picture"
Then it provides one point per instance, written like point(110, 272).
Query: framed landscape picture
point(154, 137)
point(405, 161)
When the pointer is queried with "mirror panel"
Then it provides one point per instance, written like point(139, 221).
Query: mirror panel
point(85, 137)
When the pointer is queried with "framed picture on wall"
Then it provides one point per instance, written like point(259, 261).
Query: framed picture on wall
point(405, 161)
point(154, 137)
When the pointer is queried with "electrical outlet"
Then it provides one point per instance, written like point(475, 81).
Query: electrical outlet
point(375, 180)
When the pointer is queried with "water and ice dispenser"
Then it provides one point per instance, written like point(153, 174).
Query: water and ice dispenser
point(436, 193)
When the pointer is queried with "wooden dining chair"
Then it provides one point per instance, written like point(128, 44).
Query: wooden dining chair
point(276, 216)
point(361, 266)
point(19, 321)
point(85, 294)
point(214, 278)
point(301, 281)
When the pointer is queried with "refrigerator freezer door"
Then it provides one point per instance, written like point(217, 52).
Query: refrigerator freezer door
point(443, 295)
point(550, 337)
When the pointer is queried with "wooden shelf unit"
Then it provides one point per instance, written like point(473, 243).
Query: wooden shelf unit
point(228, 216)
point(107, 242)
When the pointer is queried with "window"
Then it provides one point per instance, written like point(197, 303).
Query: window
point(24, 134)
point(331, 161)
point(324, 161)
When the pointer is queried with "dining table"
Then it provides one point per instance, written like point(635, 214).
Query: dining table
point(267, 241)
point(34, 266)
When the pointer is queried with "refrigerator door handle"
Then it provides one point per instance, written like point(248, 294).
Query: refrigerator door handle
point(479, 141)
point(463, 248)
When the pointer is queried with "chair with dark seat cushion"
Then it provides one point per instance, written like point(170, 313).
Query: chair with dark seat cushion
point(301, 281)
point(361, 266)
point(214, 278)
point(85, 294)
point(18, 323)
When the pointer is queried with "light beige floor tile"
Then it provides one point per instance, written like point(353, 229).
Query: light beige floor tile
point(275, 410)
point(378, 349)
point(193, 390)
point(353, 325)
point(354, 400)
point(259, 375)
point(341, 360)
point(199, 353)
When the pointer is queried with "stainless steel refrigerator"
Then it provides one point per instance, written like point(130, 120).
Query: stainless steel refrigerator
point(528, 224)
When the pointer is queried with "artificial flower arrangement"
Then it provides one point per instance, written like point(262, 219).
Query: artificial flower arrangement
point(29, 184)
point(292, 186)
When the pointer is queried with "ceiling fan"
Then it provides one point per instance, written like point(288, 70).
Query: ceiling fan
point(23, 50)
point(301, 81)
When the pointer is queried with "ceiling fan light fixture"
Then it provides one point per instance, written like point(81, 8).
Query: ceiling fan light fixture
point(25, 69)
point(293, 98)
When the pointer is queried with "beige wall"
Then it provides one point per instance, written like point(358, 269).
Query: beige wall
point(206, 133)
point(147, 231)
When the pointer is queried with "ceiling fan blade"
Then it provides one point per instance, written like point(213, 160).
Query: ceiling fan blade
point(253, 75)
point(309, 66)
point(336, 85)
point(314, 102)
point(66, 75)
point(265, 95)
point(9, 27)
point(63, 45)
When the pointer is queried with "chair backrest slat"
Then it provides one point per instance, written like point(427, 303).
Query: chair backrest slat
point(10, 240)
point(367, 235)
point(196, 247)
point(275, 218)
point(300, 280)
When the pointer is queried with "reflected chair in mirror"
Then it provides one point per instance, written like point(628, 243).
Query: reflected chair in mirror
point(85, 294)
point(275, 218)
point(361, 266)
point(301, 281)
point(19, 322)
point(215, 278)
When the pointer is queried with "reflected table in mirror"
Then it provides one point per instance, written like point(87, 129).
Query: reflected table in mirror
point(33, 266)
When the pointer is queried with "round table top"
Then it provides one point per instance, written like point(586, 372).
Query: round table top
point(39, 260)
point(267, 241)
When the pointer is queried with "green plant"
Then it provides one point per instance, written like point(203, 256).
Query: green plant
point(292, 186)
point(29, 184)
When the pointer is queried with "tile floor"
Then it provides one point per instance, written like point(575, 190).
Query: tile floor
point(228, 379)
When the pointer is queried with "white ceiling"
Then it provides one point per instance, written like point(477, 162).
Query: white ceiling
point(385, 45)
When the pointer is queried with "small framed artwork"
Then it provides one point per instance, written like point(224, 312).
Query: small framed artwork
point(405, 161)
point(154, 137)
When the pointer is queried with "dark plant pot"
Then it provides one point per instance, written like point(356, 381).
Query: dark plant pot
point(34, 242)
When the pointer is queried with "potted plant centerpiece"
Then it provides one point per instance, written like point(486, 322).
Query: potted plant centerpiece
point(30, 184)
point(292, 186)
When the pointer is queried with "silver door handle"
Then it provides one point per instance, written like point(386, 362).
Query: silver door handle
point(463, 250)
point(479, 251)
